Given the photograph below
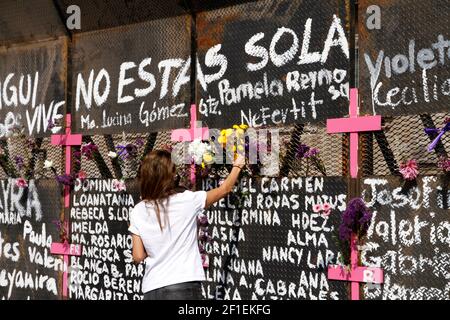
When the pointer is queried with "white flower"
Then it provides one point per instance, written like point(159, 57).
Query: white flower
point(112, 154)
point(48, 164)
point(197, 149)
point(55, 129)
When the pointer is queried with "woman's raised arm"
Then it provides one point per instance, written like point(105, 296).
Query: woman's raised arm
point(216, 194)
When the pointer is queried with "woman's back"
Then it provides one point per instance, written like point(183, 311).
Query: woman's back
point(173, 254)
point(164, 228)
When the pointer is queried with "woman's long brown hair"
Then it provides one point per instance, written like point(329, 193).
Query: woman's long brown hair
point(157, 180)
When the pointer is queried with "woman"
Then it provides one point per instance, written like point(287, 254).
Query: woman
point(164, 229)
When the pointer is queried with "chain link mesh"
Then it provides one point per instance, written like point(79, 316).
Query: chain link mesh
point(106, 167)
point(33, 157)
point(332, 151)
point(401, 139)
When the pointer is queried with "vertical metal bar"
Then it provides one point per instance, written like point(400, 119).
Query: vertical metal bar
point(354, 182)
point(292, 149)
point(62, 17)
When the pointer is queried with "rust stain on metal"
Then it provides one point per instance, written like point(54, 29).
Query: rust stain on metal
point(363, 33)
point(348, 17)
point(210, 32)
point(64, 54)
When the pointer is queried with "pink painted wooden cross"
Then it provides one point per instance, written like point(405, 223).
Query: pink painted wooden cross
point(354, 125)
point(356, 274)
point(67, 140)
point(195, 132)
point(65, 249)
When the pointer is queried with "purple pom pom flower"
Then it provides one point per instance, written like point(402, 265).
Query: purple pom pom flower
point(355, 219)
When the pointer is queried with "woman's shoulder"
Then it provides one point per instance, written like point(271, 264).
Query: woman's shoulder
point(182, 194)
point(186, 195)
point(139, 207)
point(194, 198)
point(190, 193)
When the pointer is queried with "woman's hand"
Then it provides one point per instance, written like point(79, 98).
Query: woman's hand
point(239, 161)
point(216, 194)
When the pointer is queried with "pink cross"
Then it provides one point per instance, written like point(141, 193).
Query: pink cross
point(195, 132)
point(67, 140)
point(66, 250)
point(354, 125)
point(356, 274)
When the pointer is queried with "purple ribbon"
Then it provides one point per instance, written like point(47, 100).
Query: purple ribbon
point(439, 132)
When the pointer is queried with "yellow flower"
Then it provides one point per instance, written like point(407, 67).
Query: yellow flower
point(243, 126)
point(240, 148)
point(207, 157)
point(240, 132)
point(235, 126)
point(222, 140)
point(228, 132)
point(234, 148)
point(203, 165)
point(223, 132)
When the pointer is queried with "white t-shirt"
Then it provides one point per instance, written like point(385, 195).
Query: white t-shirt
point(173, 254)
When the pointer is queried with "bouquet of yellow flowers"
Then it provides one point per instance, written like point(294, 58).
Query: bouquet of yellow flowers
point(203, 153)
point(239, 131)
point(206, 155)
